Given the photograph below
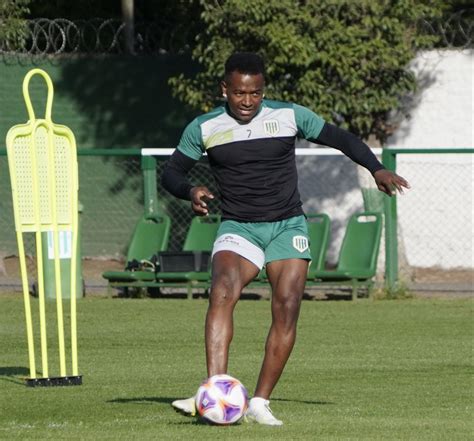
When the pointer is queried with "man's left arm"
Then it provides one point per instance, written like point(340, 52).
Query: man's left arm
point(359, 152)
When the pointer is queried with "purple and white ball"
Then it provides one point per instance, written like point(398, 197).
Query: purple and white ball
point(222, 399)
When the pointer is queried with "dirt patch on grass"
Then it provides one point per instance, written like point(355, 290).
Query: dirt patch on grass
point(432, 275)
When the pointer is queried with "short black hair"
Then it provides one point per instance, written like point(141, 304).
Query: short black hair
point(245, 63)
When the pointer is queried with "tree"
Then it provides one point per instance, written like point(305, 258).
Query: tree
point(12, 23)
point(347, 60)
point(75, 10)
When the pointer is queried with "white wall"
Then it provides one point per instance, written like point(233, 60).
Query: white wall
point(436, 215)
point(443, 112)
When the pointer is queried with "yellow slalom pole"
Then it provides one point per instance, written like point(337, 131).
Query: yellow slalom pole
point(57, 263)
point(26, 298)
point(75, 370)
point(39, 258)
point(42, 309)
point(75, 244)
point(59, 305)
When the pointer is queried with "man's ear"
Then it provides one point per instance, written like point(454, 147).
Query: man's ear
point(224, 89)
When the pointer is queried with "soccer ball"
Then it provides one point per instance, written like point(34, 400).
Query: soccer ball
point(222, 399)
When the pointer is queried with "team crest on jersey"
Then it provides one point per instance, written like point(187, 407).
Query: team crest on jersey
point(271, 127)
point(300, 243)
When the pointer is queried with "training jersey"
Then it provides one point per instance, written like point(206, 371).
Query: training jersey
point(253, 163)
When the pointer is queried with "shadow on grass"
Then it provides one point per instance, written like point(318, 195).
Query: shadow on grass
point(8, 373)
point(326, 297)
point(168, 400)
point(143, 400)
point(197, 421)
point(194, 421)
point(320, 403)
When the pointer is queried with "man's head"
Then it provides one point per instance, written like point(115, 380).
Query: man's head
point(243, 84)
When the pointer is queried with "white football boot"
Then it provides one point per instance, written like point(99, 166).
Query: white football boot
point(186, 406)
point(260, 412)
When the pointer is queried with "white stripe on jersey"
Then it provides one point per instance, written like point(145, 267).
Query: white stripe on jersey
point(268, 123)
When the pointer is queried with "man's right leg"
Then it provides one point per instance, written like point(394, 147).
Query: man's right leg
point(230, 274)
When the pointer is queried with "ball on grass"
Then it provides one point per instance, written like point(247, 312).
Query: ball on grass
point(222, 399)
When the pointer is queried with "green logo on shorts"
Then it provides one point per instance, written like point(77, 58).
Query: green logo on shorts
point(300, 243)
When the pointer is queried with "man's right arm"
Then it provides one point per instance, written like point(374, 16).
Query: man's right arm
point(175, 175)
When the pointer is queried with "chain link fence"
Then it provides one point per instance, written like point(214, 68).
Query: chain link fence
point(435, 217)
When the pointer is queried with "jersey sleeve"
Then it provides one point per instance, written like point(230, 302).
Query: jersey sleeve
point(309, 124)
point(190, 143)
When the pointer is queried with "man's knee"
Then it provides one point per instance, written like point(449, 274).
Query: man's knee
point(288, 305)
point(286, 308)
point(225, 289)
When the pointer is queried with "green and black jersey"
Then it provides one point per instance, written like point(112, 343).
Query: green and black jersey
point(254, 163)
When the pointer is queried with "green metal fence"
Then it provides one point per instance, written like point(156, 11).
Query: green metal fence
point(451, 191)
point(115, 187)
point(118, 185)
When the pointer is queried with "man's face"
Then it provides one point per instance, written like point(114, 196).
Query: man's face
point(244, 94)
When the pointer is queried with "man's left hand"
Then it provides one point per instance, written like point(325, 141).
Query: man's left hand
point(390, 182)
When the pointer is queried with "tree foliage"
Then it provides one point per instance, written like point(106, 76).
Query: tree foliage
point(74, 10)
point(12, 23)
point(347, 60)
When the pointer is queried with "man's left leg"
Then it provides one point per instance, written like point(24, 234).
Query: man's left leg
point(287, 278)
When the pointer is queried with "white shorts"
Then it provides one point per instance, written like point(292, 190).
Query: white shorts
point(241, 246)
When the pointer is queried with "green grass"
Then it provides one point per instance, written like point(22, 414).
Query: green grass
point(383, 370)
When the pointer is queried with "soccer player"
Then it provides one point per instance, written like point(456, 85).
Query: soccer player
point(250, 144)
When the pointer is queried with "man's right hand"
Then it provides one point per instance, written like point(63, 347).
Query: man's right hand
point(199, 197)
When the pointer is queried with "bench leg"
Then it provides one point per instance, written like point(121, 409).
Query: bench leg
point(190, 291)
point(370, 287)
point(355, 289)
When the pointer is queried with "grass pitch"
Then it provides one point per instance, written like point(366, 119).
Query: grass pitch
point(383, 370)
